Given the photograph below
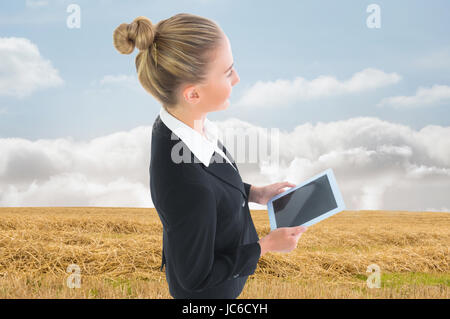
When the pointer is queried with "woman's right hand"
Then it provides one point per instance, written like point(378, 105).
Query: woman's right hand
point(283, 239)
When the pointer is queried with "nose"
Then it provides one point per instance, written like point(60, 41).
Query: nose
point(236, 79)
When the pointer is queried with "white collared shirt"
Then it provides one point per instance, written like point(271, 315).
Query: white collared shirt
point(203, 148)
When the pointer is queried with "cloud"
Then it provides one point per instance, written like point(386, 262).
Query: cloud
point(378, 165)
point(286, 92)
point(442, 209)
point(424, 97)
point(23, 70)
point(110, 170)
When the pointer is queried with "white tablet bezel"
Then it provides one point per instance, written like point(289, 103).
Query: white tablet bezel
point(334, 188)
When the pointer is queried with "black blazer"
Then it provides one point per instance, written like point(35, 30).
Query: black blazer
point(209, 240)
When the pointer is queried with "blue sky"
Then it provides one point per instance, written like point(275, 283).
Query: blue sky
point(293, 38)
point(371, 103)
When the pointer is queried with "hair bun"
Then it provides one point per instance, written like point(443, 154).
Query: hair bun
point(140, 34)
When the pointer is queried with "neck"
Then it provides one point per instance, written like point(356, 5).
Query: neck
point(192, 119)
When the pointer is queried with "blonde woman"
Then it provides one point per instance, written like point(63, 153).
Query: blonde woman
point(210, 244)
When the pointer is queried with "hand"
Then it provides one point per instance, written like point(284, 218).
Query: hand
point(264, 193)
point(283, 239)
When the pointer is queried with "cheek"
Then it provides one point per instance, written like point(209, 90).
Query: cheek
point(222, 91)
point(226, 88)
point(218, 92)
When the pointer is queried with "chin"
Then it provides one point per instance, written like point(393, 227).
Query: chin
point(223, 106)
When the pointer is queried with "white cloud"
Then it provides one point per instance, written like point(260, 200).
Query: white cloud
point(285, 92)
point(442, 209)
point(424, 97)
point(110, 170)
point(23, 70)
point(378, 165)
point(76, 189)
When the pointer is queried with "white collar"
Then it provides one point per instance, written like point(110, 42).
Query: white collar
point(202, 148)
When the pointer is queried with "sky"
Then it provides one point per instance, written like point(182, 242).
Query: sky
point(366, 93)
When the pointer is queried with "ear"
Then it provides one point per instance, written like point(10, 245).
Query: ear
point(190, 94)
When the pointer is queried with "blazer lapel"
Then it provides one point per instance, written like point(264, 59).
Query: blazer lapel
point(220, 168)
point(222, 147)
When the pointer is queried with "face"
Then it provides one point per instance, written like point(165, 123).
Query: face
point(222, 76)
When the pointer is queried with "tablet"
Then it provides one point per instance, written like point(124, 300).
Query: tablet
point(307, 203)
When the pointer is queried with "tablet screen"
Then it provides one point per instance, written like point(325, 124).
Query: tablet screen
point(305, 203)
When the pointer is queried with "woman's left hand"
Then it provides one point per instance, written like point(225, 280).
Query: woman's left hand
point(264, 193)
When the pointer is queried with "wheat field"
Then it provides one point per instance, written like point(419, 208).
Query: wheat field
point(118, 255)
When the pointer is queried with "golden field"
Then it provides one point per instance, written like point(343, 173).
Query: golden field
point(118, 251)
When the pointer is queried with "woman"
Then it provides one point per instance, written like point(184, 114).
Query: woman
point(210, 245)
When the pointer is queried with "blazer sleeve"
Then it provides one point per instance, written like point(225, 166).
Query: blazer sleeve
point(191, 213)
point(247, 189)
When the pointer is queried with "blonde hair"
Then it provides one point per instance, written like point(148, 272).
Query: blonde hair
point(174, 52)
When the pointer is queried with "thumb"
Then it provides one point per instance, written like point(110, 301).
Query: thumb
point(300, 229)
point(296, 230)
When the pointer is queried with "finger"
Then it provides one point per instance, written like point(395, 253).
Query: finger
point(300, 229)
point(300, 232)
point(284, 185)
point(288, 184)
point(296, 233)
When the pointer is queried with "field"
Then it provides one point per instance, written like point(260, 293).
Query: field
point(118, 252)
